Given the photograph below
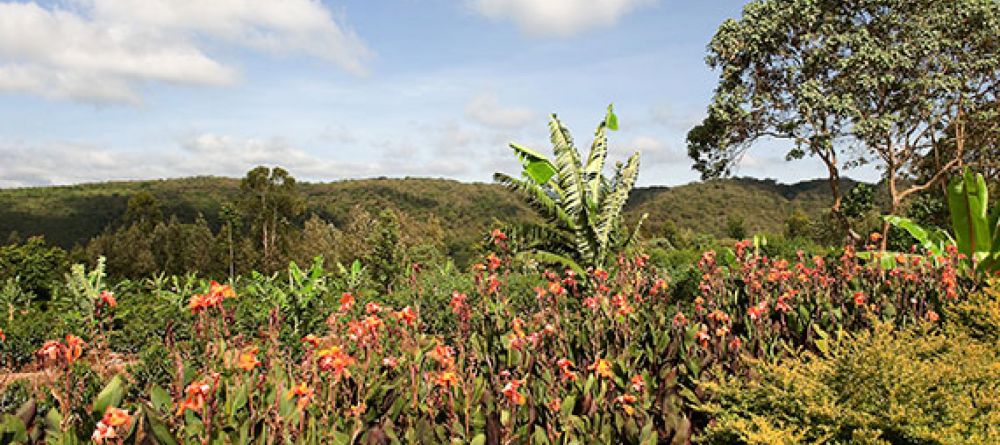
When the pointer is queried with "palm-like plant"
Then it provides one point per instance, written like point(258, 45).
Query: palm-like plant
point(582, 208)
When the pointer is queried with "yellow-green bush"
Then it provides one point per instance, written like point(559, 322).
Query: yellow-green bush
point(926, 384)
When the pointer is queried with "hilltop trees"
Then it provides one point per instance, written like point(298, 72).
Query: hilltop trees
point(269, 201)
point(852, 83)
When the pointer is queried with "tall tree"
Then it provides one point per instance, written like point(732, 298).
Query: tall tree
point(270, 199)
point(919, 71)
point(387, 256)
point(851, 82)
point(143, 209)
point(776, 81)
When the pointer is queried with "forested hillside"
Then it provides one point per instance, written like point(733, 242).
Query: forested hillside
point(68, 215)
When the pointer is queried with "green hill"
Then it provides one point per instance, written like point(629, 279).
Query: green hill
point(68, 215)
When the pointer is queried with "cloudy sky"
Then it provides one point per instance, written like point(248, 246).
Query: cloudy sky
point(92, 90)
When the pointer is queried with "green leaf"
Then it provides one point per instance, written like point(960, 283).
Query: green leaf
point(567, 405)
point(536, 166)
point(161, 398)
point(611, 118)
point(157, 428)
point(480, 439)
point(12, 430)
point(967, 201)
point(111, 395)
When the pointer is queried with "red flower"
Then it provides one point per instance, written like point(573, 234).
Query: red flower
point(859, 298)
point(196, 393)
point(346, 302)
point(513, 395)
point(336, 360)
point(498, 236)
point(108, 299)
point(638, 384)
point(373, 308)
point(679, 319)
point(407, 315)
point(566, 367)
point(311, 340)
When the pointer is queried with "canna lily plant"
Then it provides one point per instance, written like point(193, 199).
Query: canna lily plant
point(582, 208)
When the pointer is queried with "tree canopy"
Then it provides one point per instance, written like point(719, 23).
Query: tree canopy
point(852, 82)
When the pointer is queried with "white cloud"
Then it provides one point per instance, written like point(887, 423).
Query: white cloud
point(558, 17)
point(105, 50)
point(486, 109)
point(281, 26)
point(652, 151)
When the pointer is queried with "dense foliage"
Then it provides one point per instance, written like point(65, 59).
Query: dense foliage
point(501, 353)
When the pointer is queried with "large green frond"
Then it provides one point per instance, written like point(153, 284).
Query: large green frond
point(536, 166)
point(567, 162)
point(614, 202)
point(539, 199)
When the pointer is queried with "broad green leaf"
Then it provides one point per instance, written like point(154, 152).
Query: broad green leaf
point(111, 395)
point(611, 118)
point(967, 200)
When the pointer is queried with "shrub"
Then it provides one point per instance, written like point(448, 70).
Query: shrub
point(886, 386)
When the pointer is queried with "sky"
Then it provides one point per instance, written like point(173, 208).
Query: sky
point(97, 90)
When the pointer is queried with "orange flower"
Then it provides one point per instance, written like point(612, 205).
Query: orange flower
point(248, 359)
point(3, 337)
point(555, 288)
point(115, 417)
point(443, 354)
point(702, 336)
point(312, 340)
point(198, 303)
point(372, 323)
point(638, 384)
point(626, 401)
point(346, 302)
point(221, 291)
point(74, 348)
point(303, 392)
point(447, 379)
point(358, 410)
point(565, 366)
point(373, 308)
point(195, 401)
point(51, 350)
point(407, 315)
point(498, 236)
point(108, 298)
point(510, 391)
point(103, 432)
point(875, 237)
point(602, 368)
point(932, 316)
point(554, 404)
point(859, 298)
point(335, 359)
point(493, 261)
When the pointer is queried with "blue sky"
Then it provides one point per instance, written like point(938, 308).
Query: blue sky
point(94, 90)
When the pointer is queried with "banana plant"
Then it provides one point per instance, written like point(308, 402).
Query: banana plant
point(582, 208)
point(976, 228)
point(977, 234)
